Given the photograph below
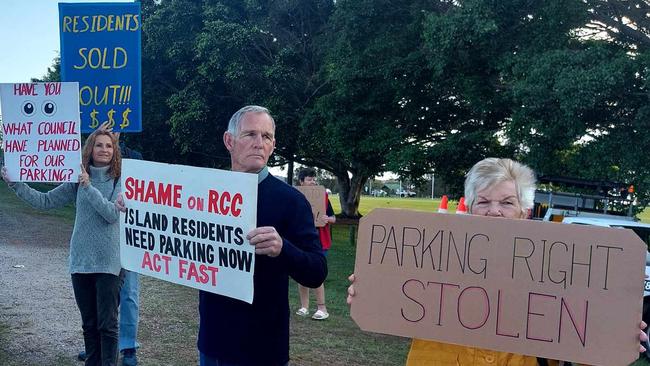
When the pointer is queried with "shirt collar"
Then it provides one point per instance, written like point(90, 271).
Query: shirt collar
point(262, 174)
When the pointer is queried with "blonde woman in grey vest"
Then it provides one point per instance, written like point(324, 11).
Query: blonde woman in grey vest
point(94, 245)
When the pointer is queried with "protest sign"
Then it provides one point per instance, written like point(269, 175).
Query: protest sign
point(316, 197)
point(558, 291)
point(41, 135)
point(188, 226)
point(100, 48)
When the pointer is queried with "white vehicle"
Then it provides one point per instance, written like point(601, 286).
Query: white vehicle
point(405, 193)
point(641, 229)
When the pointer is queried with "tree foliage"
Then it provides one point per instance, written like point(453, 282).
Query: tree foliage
point(212, 57)
point(531, 74)
point(365, 86)
point(53, 72)
point(377, 92)
point(625, 22)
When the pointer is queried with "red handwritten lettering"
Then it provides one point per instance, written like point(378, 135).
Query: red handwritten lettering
point(152, 192)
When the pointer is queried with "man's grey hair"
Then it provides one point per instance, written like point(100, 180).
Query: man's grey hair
point(235, 120)
point(491, 171)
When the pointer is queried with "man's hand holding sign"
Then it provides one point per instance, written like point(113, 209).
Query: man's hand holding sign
point(266, 240)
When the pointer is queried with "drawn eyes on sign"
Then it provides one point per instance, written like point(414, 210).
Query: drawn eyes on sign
point(27, 108)
point(49, 108)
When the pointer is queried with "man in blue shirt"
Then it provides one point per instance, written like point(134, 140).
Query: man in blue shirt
point(232, 332)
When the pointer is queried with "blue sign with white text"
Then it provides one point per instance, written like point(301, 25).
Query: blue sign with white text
point(100, 49)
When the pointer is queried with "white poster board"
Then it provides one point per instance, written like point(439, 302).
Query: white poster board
point(41, 131)
point(188, 225)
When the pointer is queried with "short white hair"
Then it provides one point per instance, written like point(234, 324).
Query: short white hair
point(235, 120)
point(491, 171)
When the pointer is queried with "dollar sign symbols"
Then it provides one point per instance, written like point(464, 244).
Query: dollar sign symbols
point(125, 118)
point(94, 121)
point(111, 121)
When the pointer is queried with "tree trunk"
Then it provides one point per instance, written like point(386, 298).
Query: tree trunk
point(290, 173)
point(350, 193)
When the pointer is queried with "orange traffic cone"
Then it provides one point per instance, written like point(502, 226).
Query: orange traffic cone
point(443, 205)
point(461, 209)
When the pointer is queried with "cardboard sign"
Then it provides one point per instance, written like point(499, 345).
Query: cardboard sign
point(41, 140)
point(100, 48)
point(559, 291)
point(188, 226)
point(316, 197)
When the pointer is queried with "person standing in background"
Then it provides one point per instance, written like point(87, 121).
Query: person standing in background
point(129, 295)
point(307, 177)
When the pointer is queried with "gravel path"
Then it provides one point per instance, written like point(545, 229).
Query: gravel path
point(36, 299)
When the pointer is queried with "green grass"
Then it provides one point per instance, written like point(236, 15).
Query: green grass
point(640, 362)
point(168, 323)
point(369, 203)
point(338, 340)
point(645, 216)
point(10, 203)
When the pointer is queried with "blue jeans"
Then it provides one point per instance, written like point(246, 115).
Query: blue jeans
point(205, 360)
point(129, 310)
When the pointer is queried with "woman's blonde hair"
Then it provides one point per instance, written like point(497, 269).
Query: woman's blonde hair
point(115, 166)
point(491, 171)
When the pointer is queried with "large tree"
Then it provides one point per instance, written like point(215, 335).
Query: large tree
point(209, 58)
point(580, 108)
point(471, 46)
point(381, 103)
point(170, 30)
point(625, 22)
point(552, 91)
point(361, 87)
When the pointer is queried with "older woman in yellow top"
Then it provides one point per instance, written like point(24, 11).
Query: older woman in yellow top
point(498, 188)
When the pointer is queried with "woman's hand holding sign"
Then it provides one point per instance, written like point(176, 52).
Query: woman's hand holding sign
point(267, 241)
point(643, 337)
point(84, 178)
point(350, 289)
point(119, 203)
point(323, 220)
point(5, 176)
point(106, 126)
